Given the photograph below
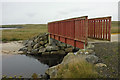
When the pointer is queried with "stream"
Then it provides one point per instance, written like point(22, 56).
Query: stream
point(26, 65)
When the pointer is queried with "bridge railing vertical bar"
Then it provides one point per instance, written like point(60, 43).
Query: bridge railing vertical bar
point(109, 31)
point(76, 31)
point(100, 28)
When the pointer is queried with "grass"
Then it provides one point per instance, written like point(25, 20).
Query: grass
point(28, 31)
point(77, 68)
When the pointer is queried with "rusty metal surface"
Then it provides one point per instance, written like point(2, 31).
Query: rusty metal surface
point(75, 31)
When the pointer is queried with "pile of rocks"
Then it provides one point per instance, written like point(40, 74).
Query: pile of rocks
point(41, 45)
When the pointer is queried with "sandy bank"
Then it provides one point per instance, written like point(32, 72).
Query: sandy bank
point(11, 47)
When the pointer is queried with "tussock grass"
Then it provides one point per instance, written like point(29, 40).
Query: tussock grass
point(77, 68)
point(28, 31)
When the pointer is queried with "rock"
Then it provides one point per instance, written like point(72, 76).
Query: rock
point(68, 57)
point(54, 52)
point(100, 65)
point(34, 51)
point(45, 53)
point(68, 49)
point(20, 52)
point(52, 48)
point(20, 41)
point(25, 42)
point(36, 40)
point(55, 48)
point(46, 44)
point(36, 46)
point(46, 41)
point(86, 51)
point(24, 49)
point(41, 47)
point(92, 59)
point(61, 52)
point(90, 46)
point(68, 46)
point(5, 51)
point(41, 42)
point(42, 50)
point(76, 49)
point(49, 48)
point(52, 71)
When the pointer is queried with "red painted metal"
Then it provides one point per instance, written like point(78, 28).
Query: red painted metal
point(102, 28)
point(75, 31)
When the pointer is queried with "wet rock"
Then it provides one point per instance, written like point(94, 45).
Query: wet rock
point(92, 59)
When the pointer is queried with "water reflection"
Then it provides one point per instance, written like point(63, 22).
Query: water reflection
point(26, 65)
point(48, 60)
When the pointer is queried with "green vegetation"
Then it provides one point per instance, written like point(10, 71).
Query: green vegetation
point(114, 27)
point(28, 31)
point(77, 68)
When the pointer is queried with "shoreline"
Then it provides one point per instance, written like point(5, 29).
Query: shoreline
point(11, 47)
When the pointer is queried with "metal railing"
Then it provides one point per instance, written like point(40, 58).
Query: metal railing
point(75, 31)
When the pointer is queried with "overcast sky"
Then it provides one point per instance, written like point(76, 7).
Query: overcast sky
point(42, 12)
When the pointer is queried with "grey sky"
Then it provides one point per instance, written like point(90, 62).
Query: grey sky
point(43, 12)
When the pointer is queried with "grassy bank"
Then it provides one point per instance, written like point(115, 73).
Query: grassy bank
point(30, 30)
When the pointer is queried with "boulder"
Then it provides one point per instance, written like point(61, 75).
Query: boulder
point(52, 71)
point(92, 59)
